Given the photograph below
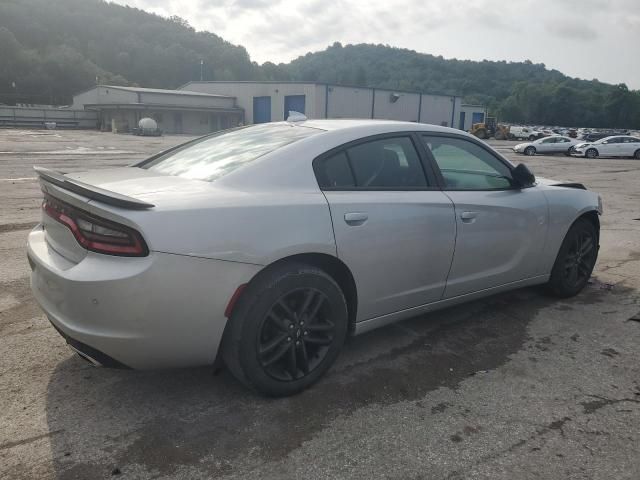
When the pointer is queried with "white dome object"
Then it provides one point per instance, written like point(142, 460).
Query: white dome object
point(147, 124)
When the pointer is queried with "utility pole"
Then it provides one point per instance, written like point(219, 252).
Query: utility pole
point(201, 70)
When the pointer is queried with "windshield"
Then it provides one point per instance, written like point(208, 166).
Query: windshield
point(217, 155)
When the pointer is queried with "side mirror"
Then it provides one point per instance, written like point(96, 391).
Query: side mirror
point(523, 176)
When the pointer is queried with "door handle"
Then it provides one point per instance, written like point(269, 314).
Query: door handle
point(355, 218)
point(468, 217)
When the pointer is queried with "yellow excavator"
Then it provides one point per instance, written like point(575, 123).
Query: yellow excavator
point(490, 128)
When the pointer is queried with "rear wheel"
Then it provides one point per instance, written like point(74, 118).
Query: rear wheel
point(286, 330)
point(530, 151)
point(637, 154)
point(591, 153)
point(575, 260)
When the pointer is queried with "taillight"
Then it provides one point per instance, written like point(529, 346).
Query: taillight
point(94, 233)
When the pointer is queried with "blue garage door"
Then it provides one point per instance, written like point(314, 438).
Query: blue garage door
point(477, 117)
point(293, 103)
point(261, 109)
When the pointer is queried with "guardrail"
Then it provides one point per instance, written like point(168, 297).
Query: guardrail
point(26, 117)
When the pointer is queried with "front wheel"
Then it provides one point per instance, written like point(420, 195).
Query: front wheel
point(530, 151)
point(575, 261)
point(591, 153)
point(287, 330)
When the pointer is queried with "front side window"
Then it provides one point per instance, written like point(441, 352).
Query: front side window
point(549, 140)
point(467, 166)
point(389, 163)
point(214, 156)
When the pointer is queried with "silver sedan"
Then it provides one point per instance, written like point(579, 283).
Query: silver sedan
point(265, 246)
point(552, 144)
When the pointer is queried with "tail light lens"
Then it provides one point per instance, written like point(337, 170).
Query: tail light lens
point(94, 233)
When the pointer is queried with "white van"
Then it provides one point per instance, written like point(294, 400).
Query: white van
point(524, 133)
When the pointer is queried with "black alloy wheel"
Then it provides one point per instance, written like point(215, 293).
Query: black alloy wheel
point(580, 259)
point(286, 330)
point(295, 334)
point(575, 260)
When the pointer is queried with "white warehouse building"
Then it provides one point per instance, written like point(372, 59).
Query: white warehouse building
point(208, 106)
point(271, 101)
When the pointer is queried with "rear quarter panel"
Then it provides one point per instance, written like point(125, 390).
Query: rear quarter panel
point(257, 227)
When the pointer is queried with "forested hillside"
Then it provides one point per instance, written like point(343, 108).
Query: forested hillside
point(50, 50)
point(53, 49)
point(517, 92)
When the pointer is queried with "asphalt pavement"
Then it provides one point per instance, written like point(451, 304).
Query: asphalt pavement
point(516, 386)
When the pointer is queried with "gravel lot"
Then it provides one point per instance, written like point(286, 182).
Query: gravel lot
point(517, 386)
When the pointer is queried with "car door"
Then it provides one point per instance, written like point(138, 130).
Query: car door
point(629, 146)
point(562, 145)
point(501, 229)
point(393, 226)
point(609, 147)
point(546, 145)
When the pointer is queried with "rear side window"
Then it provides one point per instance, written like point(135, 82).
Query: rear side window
point(335, 172)
point(217, 155)
point(389, 163)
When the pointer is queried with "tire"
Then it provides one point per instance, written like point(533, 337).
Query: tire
point(268, 323)
point(569, 152)
point(532, 138)
point(575, 260)
point(530, 151)
point(637, 154)
point(591, 153)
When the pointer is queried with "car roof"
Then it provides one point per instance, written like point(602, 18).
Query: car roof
point(360, 123)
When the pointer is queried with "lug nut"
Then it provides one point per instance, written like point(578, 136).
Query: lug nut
point(288, 339)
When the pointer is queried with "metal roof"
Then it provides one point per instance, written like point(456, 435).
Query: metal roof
point(163, 91)
point(295, 82)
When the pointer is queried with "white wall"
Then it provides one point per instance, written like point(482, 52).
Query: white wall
point(469, 111)
point(245, 91)
point(186, 100)
point(404, 108)
point(438, 109)
point(102, 94)
point(349, 102)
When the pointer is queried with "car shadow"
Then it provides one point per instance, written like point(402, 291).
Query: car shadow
point(113, 421)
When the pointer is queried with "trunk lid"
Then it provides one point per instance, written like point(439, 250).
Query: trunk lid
point(127, 188)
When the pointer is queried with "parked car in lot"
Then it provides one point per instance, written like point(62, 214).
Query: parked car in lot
point(266, 245)
point(546, 145)
point(614, 146)
point(594, 136)
point(524, 133)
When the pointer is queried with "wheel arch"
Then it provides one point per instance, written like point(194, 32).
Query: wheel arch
point(334, 267)
point(593, 217)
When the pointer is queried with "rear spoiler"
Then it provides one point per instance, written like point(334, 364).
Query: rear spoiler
point(91, 191)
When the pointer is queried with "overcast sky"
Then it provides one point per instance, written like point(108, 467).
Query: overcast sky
point(581, 38)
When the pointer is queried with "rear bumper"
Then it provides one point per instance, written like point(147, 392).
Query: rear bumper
point(159, 311)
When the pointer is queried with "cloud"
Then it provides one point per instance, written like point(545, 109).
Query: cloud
point(572, 31)
point(546, 31)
